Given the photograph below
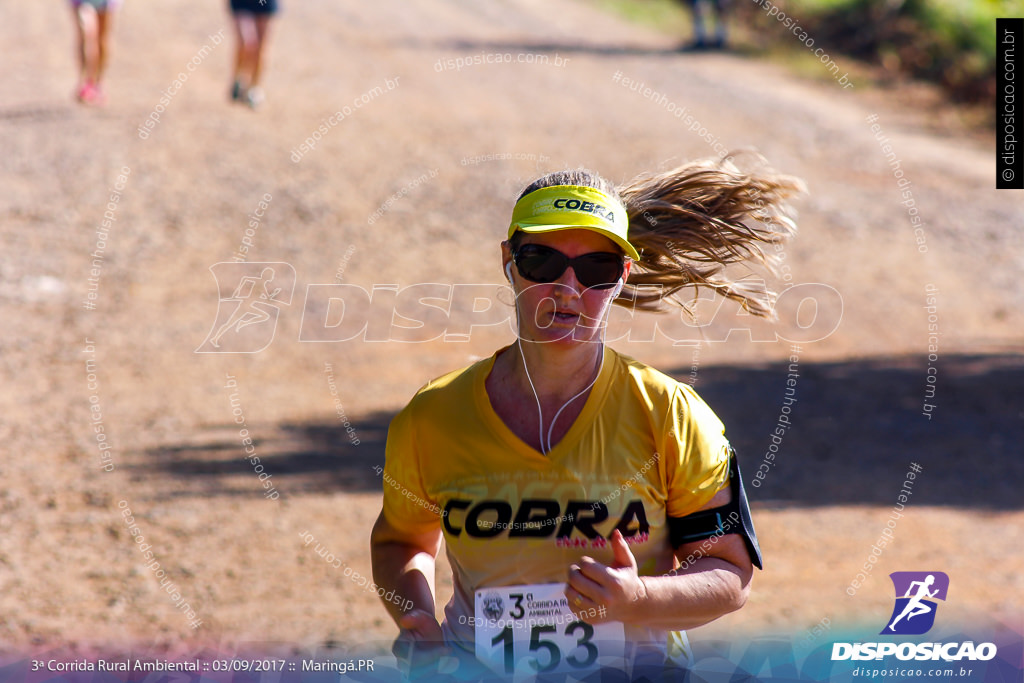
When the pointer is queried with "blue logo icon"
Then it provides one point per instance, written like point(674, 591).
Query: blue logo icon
point(916, 595)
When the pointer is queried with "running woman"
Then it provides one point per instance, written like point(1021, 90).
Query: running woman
point(591, 506)
point(252, 22)
point(93, 20)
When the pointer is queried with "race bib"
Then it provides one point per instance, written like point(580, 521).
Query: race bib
point(525, 630)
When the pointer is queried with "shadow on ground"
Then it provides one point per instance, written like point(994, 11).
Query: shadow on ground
point(573, 48)
point(856, 426)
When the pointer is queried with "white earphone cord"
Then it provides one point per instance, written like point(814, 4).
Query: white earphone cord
point(545, 449)
point(540, 411)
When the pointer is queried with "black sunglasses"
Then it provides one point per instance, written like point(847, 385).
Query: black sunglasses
point(598, 269)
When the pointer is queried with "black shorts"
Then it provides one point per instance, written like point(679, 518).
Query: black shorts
point(254, 6)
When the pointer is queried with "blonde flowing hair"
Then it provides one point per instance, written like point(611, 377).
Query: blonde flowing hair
point(691, 222)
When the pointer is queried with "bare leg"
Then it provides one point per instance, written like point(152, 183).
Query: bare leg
point(240, 77)
point(262, 27)
point(79, 44)
point(247, 57)
point(87, 24)
point(104, 21)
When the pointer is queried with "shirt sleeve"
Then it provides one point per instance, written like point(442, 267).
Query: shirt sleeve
point(407, 507)
point(696, 453)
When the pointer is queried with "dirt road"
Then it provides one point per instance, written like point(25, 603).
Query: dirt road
point(421, 139)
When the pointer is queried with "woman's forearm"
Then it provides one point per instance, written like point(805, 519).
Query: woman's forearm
point(710, 588)
point(404, 563)
point(409, 572)
point(687, 597)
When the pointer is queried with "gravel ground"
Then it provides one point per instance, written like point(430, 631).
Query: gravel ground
point(401, 190)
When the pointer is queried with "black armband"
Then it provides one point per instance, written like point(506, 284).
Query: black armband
point(731, 518)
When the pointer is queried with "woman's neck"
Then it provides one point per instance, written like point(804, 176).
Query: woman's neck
point(554, 373)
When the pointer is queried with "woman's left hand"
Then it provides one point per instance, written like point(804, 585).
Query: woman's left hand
point(599, 592)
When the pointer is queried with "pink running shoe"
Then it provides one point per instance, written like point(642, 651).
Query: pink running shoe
point(91, 94)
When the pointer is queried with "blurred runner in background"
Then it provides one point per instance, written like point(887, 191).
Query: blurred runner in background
point(92, 24)
point(252, 19)
point(700, 37)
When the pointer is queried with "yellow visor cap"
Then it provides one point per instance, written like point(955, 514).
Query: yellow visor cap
point(568, 207)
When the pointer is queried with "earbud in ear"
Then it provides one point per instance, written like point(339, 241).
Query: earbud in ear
point(508, 271)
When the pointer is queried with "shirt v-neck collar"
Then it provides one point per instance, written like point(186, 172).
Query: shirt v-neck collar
point(584, 421)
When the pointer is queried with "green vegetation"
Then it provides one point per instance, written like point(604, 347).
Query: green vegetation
point(950, 42)
point(664, 14)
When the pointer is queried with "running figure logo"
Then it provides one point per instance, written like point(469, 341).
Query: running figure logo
point(914, 612)
point(250, 297)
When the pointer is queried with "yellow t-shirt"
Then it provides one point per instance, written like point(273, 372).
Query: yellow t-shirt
point(645, 447)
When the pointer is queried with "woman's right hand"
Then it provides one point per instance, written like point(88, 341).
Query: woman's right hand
point(420, 643)
point(402, 562)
